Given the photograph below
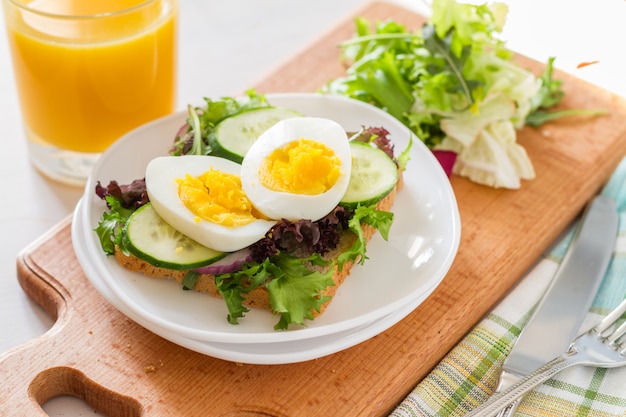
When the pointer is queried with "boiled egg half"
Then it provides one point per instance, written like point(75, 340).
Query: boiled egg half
point(202, 197)
point(297, 169)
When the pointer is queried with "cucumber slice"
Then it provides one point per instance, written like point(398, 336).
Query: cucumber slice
point(372, 177)
point(234, 135)
point(153, 240)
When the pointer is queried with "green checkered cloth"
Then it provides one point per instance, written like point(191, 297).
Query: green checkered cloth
point(468, 375)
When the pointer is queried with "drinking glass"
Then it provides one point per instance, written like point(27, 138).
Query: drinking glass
point(87, 72)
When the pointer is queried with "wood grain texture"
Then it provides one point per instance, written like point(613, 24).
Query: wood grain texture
point(121, 369)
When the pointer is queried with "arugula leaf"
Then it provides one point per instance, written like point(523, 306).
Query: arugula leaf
point(110, 229)
point(196, 136)
point(198, 147)
point(380, 220)
point(549, 95)
point(451, 63)
point(405, 156)
point(539, 117)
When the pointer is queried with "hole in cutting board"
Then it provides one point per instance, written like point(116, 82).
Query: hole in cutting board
point(68, 406)
point(64, 381)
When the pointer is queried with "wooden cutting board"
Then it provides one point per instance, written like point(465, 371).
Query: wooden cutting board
point(95, 353)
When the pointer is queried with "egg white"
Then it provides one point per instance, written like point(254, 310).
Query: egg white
point(162, 189)
point(291, 206)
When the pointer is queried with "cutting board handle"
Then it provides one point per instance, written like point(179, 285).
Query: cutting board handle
point(41, 367)
point(63, 380)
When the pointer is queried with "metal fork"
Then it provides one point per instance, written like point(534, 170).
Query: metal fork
point(603, 346)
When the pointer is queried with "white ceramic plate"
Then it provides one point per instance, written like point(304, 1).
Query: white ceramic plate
point(250, 353)
point(422, 244)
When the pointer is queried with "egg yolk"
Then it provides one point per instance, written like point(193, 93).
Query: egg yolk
point(301, 167)
point(217, 197)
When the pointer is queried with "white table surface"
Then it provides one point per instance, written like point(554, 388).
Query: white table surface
point(225, 46)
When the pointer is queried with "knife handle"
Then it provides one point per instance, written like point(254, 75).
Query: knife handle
point(501, 400)
point(507, 380)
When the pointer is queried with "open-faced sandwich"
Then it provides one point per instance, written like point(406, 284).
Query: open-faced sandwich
point(260, 205)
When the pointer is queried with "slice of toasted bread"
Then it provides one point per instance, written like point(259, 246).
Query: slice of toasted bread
point(259, 298)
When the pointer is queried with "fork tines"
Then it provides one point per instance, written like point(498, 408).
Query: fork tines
point(614, 337)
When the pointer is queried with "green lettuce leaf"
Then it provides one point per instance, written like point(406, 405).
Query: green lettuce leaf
point(438, 76)
point(380, 220)
point(110, 229)
point(294, 286)
point(296, 292)
point(234, 286)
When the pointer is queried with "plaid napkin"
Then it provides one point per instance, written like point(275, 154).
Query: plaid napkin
point(469, 373)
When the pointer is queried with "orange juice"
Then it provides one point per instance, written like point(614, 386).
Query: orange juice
point(89, 71)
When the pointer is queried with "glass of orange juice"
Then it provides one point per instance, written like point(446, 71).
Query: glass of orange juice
point(87, 72)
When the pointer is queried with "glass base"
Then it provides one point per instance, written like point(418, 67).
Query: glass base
point(68, 167)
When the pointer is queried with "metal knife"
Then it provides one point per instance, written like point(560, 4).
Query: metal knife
point(560, 312)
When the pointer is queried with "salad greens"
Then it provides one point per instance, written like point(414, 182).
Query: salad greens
point(121, 201)
point(194, 138)
point(294, 283)
point(380, 220)
point(455, 85)
point(289, 260)
point(110, 229)
point(292, 286)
